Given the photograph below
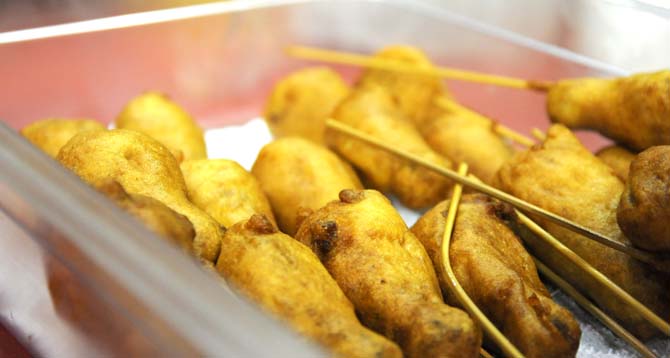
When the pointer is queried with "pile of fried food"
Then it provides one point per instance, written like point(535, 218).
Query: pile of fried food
point(309, 235)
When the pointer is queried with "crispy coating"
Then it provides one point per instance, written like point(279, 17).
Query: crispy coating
point(414, 94)
point(142, 166)
point(450, 133)
point(153, 214)
point(562, 176)
point(225, 190)
point(288, 280)
point(618, 158)
point(370, 109)
point(644, 208)
point(301, 102)
point(299, 176)
point(495, 270)
point(464, 136)
point(386, 273)
point(155, 115)
point(634, 110)
point(51, 134)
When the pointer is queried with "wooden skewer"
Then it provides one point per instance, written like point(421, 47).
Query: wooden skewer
point(498, 194)
point(484, 354)
point(601, 316)
point(352, 59)
point(538, 134)
point(500, 129)
point(617, 291)
point(455, 287)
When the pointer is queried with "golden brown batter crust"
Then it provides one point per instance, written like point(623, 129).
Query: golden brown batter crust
point(644, 209)
point(386, 273)
point(371, 109)
point(633, 110)
point(301, 102)
point(288, 280)
point(497, 273)
point(562, 176)
point(299, 176)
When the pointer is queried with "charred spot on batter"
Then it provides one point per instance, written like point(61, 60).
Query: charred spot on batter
point(564, 330)
point(324, 234)
point(260, 224)
point(502, 211)
point(401, 335)
point(274, 117)
point(350, 196)
point(631, 198)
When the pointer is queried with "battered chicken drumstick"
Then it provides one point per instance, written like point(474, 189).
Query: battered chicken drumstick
point(224, 190)
point(299, 176)
point(288, 280)
point(142, 166)
point(371, 109)
point(644, 209)
point(634, 110)
point(386, 273)
point(562, 176)
point(415, 95)
point(449, 131)
point(50, 135)
point(301, 102)
point(497, 273)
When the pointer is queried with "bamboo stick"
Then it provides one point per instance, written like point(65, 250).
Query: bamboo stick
point(455, 287)
point(538, 134)
point(484, 354)
point(617, 291)
point(311, 53)
point(601, 316)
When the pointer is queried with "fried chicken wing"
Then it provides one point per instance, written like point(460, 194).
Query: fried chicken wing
point(413, 93)
point(288, 280)
point(370, 109)
point(225, 190)
point(299, 176)
point(52, 134)
point(562, 176)
point(497, 273)
point(301, 102)
point(142, 166)
point(644, 208)
point(633, 110)
point(388, 276)
point(618, 158)
point(154, 114)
